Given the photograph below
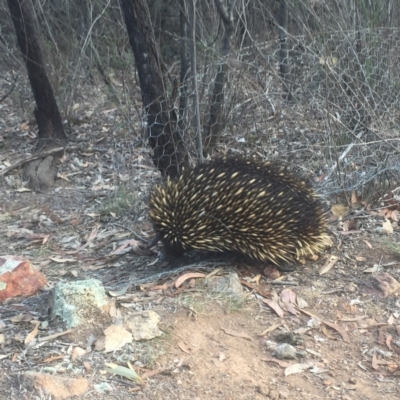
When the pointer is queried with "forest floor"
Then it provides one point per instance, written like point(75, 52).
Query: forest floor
point(344, 306)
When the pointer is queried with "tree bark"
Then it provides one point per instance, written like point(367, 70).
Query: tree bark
point(215, 123)
point(183, 63)
point(193, 67)
point(163, 135)
point(40, 173)
point(283, 51)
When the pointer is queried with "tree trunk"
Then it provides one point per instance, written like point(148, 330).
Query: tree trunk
point(193, 67)
point(164, 138)
point(283, 51)
point(183, 62)
point(215, 123)
point(41, 173)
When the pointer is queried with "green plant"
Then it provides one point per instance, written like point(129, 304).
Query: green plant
point(122, 200)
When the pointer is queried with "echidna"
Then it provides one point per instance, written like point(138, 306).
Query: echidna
point(255, 208)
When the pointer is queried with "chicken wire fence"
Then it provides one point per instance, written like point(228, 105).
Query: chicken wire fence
point(335, 112)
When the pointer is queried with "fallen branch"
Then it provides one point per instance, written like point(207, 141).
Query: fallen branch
point(31, 158)
point(9, 92)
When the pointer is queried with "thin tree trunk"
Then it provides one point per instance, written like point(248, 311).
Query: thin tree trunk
point(284, 47)
point(193, 65)
point(41, 173)
point(184, 63)
point(164, 138)
point(215, 123)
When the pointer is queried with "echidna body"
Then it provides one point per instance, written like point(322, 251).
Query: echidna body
point(258, 209)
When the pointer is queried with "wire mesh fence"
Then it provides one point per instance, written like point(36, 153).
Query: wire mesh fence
point(334, 114)
point(342, 122)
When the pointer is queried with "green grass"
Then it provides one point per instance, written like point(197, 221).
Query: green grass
point(119, 202)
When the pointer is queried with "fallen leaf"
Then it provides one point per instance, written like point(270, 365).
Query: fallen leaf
point(116, 337)
point(274, 306)
point(297, 368)
point(236, 334)
point(86, 364)
point(332, 260)
point(77, 353)
point(384, 212)
point(339, 210)
point(371, 270)
point(348, 225)
point(368, 244)
point(326, 332)
point(374, 362)
point(22, 189)
point(354, 197)
point(21, 318)
point(53, 217)
point(214, 272)
point(389, 342)
point(392, 368)
point(301, 303)
point(92, 234)
point(387, 227)
point(149, 374)
point(382, 334)
point(184, 348)
point(165, 286)
point(53, 358)
point(288, 296)
point(337, 328)
point(270, 329)
point(123, 371)
point(130, 245)
point(62, 260)
point(187, 276)
point(290, 308)
point(283, 364)
point(256, 279)
point(32, 334)
point(113, 310)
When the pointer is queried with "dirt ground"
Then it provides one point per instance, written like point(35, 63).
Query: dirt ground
point(213, 346)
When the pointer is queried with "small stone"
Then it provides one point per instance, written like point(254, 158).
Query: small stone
point(352, 380)
point(271, 272)
point(18, 278)
point(229, 284)
point(56, 387)
point(79, 303)
point(285, 351)
point(283, 394)
point(274, 395)
point(77, 352)
point(102, 387)
point(350, 288)
point(289, 338)
point(143, 325)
